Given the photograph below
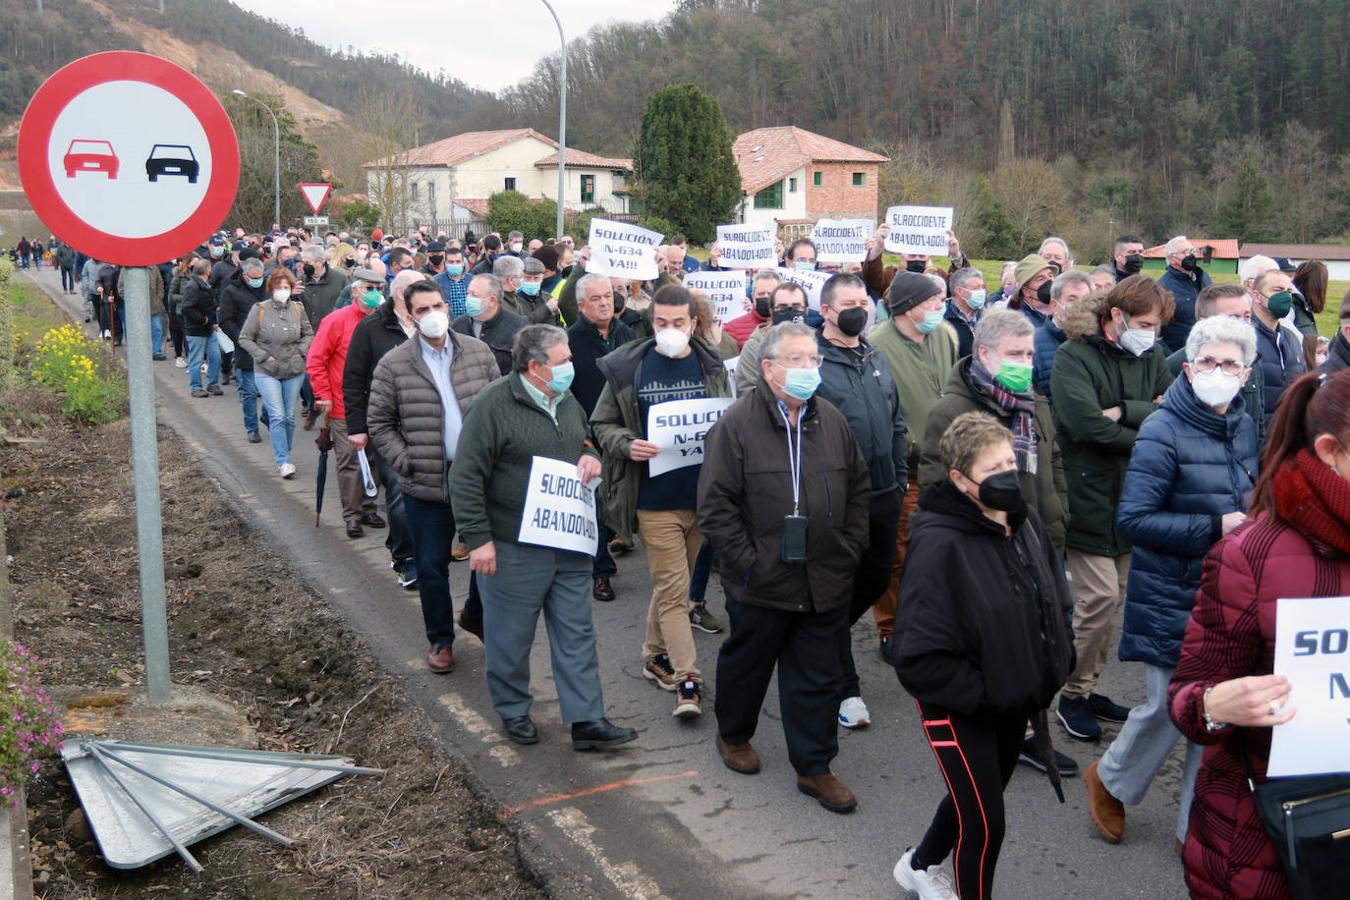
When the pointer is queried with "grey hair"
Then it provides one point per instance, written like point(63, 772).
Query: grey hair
point(938, 282)
point(778, 333)
point(492, 281)
point(1222, 330)
point(532, 344)
point(1003, 270)
point(1175, 244)
point(1066, 278)
point(314, 253)
point(1052, 239)
point(961, 276)
point(998, 324)
point(516, 234)
point(253, 264)
point(766, 275)
point(585, 281)
point(1104, 269)
point(508, 267)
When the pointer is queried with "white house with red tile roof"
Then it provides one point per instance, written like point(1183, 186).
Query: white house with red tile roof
point(450, 180)
point(794, 176)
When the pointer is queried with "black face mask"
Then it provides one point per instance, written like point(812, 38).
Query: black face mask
point(435, 259)
point(309, 270)
point(762, 308)
point(852, 321)
point(1043, 293)
point(915, 265)
point(788, 315)
point(1133, 263)
point(618, 302)
point(1003, 491)
point(1188, 262)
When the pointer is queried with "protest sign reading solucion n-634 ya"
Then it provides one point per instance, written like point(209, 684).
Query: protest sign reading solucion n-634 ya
point(622, 250)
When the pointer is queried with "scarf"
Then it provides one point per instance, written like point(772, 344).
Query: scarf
point(1022, 407)
point(1310, 496)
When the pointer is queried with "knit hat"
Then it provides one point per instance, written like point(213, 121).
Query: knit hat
point(908, 290)
point(1028, 267)
point(548, 256)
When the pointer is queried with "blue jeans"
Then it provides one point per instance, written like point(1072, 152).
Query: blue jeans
point(198, 348)
point(279, 396)
point(432, 526)
point(68, 280)
point(603, 564)
point(157, 334)
point(248, 398)
point(698, 580)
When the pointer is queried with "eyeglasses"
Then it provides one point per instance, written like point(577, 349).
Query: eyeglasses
point(1207, 364)
point(799, 360)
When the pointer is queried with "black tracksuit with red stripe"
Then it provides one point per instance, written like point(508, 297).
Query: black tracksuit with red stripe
point(982, 642)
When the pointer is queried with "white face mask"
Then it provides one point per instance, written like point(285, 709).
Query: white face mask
point(671, 342)
point(281, 295)
point(434, 324)
point(1215, 388)
point(1136, 340)
point(516, 246)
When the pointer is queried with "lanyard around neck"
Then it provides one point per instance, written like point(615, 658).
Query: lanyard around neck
point(794, 462)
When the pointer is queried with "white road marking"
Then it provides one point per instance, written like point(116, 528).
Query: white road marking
point(471, 721)
point(627, 877)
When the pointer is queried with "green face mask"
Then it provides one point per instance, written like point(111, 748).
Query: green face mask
point(372, 298)
point(1014, 376)
point(1280, 303)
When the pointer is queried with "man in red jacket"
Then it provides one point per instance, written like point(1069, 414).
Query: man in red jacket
point(327, 356)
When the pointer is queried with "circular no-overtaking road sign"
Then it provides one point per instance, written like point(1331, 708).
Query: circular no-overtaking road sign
point(128, 157)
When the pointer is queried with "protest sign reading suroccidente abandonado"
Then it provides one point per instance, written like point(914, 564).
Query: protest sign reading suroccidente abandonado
point(725, 290)
point(559, 509)
point(623, 250)
point(918, 229)
point(747, 246)
point(679, 428)
point(841, 240)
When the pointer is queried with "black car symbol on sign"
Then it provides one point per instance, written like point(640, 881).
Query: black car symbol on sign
point(172, 159)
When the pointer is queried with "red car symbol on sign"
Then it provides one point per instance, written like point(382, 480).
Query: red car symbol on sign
point(90, 156)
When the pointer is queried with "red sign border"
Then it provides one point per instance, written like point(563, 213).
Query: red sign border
point(326, 194)
point(125, 65)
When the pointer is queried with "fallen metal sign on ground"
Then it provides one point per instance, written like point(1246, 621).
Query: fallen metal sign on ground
point(145, 801)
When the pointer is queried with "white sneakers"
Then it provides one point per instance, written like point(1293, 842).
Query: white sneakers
point(930, 883)
point(180, 362)
point(286, 470)
point(853, 713)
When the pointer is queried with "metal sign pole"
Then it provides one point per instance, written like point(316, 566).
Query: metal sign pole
point(145, 468)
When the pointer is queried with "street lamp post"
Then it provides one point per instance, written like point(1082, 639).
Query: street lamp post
point(562, 117)
point(276, 155)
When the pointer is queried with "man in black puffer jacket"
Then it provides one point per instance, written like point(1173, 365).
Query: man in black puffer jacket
point(238, 295)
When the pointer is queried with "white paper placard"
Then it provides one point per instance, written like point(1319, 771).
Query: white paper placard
point(730, 365)
point(679, 427)
point(223, 341)
point(1312, 649)
point(919, 229)
point(809, 279)
point(559, 509)
point(841, 240)
point(725, 290)
point(368, 485)
point(621, 249)
point(747, 246)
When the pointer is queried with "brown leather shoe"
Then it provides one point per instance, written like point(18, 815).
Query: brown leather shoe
point(472, 624)
point(1108, 813)
point(602, 590)
point(373, 520)
point(740, 758)
point(829, 791)
point(354, 529)
point(441, 660)
point(459, 552)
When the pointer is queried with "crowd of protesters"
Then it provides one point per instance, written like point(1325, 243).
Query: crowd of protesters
point(996, 472)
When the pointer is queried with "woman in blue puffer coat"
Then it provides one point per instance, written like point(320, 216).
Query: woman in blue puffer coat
point(1190, 475)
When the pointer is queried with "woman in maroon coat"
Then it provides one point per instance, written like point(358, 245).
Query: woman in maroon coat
point(1297, 544)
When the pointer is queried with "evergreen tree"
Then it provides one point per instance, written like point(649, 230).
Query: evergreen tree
point(684, 168)
point(1250, 211)
point(986, 227)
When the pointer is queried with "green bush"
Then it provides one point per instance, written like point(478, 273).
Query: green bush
point(665, 226)
point(512, 211)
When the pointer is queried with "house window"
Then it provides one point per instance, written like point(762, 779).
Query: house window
point(414, 192)
point(792, 185)
point(510, 184)
point(587, 188)
point(771, 197)
point(431, 196)
point(817, 179)
point(859, 179)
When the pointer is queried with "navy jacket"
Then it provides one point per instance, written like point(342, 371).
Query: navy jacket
point(1253, 393)
point(964, 328)
point(1280, 355)
point(1184, 290)
point(1048, 338)
point(1190, 466)
point(587, 346)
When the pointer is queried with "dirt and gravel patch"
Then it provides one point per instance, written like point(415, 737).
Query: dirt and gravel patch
point(245, 629)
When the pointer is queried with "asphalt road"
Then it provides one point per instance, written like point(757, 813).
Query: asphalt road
point(663, 817)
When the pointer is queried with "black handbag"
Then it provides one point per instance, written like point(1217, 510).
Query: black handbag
point(1308, 820)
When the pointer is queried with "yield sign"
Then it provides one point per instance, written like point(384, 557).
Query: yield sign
point(315, 193)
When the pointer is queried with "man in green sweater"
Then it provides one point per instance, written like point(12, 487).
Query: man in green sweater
point(921, 349)
point(525, 415)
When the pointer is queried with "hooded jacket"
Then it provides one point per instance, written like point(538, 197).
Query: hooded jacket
point(277, 336)
point(981, 622)
point(1047, 490)
point(1092, 374)
point(1190, 467)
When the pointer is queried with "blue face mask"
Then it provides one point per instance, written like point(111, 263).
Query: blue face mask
point(976, 300)
point(932, 321)
point(255, 282)
point(804, 266)
point(562, 377)
point(454, 270)
point(529, 288)
point(801, 383)
point(473, 306)
point(372, 298)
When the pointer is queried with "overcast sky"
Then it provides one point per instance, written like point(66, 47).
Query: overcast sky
point(486, 43)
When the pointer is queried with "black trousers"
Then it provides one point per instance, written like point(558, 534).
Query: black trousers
point(977, 755)
point(873, 575)
point(802, 646)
